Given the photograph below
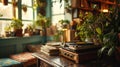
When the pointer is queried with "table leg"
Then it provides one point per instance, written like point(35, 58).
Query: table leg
point(38, 62)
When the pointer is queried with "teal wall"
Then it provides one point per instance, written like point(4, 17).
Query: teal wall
point(48, 9)
point(15, 45)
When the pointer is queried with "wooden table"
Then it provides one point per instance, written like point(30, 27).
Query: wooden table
point(52, 61)
point(58, 61)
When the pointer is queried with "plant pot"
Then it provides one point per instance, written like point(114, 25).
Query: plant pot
point(36, 32)
point(28, 32)
point(7, 34)
point(18, 32)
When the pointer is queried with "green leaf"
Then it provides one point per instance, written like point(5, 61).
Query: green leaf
point(107, 24)
point(102, 50)
point(111, 50)
point(98, 30)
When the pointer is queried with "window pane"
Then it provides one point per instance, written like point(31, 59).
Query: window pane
point(56, 18)
point(57, 8)
point(35, 15)
point(27, 2)
point(4, 11)
point(9, 0)
point(3, 23)
point(57, 11)
point(27, 15)
point(53, 0)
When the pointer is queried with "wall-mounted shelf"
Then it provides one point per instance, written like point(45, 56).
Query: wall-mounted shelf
point(91, 5)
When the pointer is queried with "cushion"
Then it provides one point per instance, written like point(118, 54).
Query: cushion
point(7, 62)
point(34, 48)
point(25, 58)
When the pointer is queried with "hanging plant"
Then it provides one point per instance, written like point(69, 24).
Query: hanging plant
point(24, 7)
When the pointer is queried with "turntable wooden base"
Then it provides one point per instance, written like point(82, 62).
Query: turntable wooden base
point(79, 56)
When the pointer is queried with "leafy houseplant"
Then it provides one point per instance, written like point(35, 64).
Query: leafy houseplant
point(42, 22)
point(7, 30)
point(105, 27)
point(108, 32)
point(85, 30)
point(17, 25)
point(63, 26)
point(64, 23)
point(29, 29)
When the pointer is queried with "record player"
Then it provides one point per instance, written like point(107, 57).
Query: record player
point(79, 52)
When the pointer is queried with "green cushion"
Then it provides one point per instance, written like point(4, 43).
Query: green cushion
point(7, 62)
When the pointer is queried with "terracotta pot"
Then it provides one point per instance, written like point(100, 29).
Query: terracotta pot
point(18, 32)
point(7, 34)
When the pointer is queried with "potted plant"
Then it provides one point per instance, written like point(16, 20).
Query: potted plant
point(64, 23)
point(7, 30)
point(85, 30)
point(29, 30)
point(17, 25)
point(41, 23)
point(108, 32)
point(63, 27)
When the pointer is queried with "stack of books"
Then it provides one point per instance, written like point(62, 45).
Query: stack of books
point(50, 50)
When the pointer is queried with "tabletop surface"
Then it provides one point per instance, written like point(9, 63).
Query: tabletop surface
point(57, 61)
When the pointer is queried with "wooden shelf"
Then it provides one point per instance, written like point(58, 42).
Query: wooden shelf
point(86, 9)
point(101, 1)
point(94, 1)
point(111, 3)
point(91, 5)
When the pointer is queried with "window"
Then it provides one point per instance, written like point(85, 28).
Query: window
point(4, 11)
point(5, 16)
point(27, 16)
point(57, 11)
